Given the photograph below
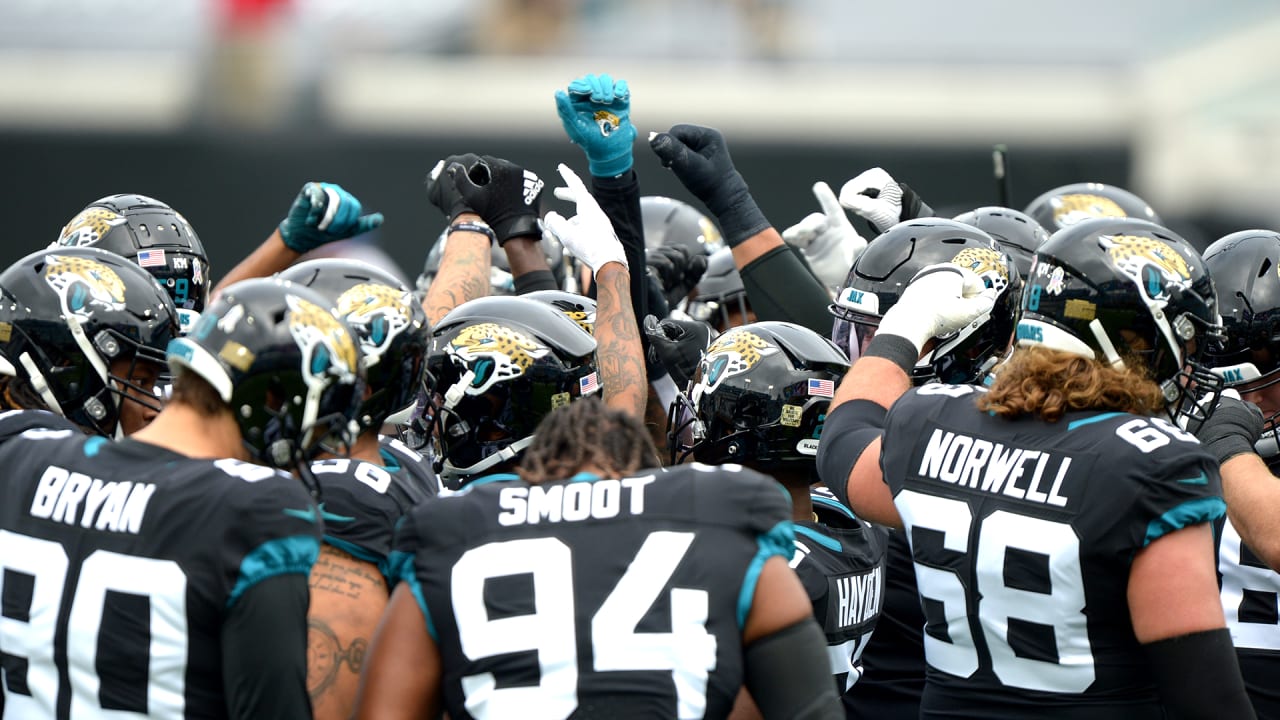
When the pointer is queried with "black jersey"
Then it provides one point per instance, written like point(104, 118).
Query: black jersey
point(119, 563)
point(617, 598)
point(893, 664)
point(840, 561)
point(1023, 533)
point(363, 501)
point(1251, 602)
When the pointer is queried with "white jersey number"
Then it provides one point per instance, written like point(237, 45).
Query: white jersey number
point(42, 566)
point(1260, 586)
point(996, 603)
point(688, 651)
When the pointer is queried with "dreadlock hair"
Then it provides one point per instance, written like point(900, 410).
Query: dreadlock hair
point(16, 393)
point(587, 434)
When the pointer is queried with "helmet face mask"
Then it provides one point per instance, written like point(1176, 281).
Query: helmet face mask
point(759, 398)
point(1127, 291)
point(284, 363)
point(879, 276)
point(153, 235)
point(500, 365)
point(76, 324)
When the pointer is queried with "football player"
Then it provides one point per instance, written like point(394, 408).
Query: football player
point(594, 584)
point(83, 334)
point(153, 235)
point(165, 575)
point(1243, 266)
point(1059, 522)
point(1067, 205)
point(366, 492)
point(759, 399)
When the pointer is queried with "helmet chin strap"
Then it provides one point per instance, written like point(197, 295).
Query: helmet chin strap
point(39, 384)
point(1104, 342)
point(507, 453)
point(454, 394)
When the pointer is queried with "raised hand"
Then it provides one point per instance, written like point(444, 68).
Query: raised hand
point(596, 114)
point(324, 213)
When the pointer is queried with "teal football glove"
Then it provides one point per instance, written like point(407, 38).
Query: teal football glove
point(596, 113)
point(324, 213)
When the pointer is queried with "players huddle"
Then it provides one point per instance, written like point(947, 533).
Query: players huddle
point(642, 462)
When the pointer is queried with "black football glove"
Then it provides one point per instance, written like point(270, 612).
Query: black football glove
point(1231, 430)
point(676, 270)
point(502, 193)
point(700, 159)
point(442, 189)
point(677, 345)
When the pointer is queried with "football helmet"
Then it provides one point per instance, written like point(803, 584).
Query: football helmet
point(578, 308)
point(390, 326)
point(1067, 205)
point(1124, 290)
point(1017, 234)
point(285, 364)
point(881, 273)
point(671, 222)
point(153, 235)
point(501, 281)
point(759, 397)
point(66, 314)
point(1245, 267)
point(501, 364)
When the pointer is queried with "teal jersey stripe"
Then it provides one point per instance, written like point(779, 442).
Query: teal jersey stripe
point(1090, 420)
point(282, 556)
point(1191, 512)
point(401, 566)
point(834, 505)
point(780, 540)
point(829, 543)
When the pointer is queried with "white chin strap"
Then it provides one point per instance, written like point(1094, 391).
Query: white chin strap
point(39, 384)
point(507, 453)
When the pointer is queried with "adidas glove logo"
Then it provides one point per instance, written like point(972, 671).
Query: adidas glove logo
point(532, 186)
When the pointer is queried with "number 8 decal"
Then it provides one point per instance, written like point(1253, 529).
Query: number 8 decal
point(1062, 608)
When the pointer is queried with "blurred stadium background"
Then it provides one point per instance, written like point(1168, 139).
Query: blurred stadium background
point(223, 108)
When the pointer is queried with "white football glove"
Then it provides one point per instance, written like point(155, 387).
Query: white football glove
point(588, 236)
point(827, 239)
point(876, 196)
point(938, 301)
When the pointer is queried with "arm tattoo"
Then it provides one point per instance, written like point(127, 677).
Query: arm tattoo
point(338, 577)
point(463, 275)
point(618, 349)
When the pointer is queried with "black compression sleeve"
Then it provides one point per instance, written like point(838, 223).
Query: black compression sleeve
point(1198, 676)
point(788, 675)
point(264, 650)
point(780, 287)
point(846, 433)
point(533, 281)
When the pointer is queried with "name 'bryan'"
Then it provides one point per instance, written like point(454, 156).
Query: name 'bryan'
point(992, 467)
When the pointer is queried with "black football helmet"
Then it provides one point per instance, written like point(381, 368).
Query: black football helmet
point(66, 314)
point(1124, 290)
point(390, 327)
point(153, 235)
point(1067, 205)
point(501, 364)
point(1017, 234)
point(578, 308)
point(288, 367)
point(1245, 267)
point(881, 273)
point(501, 282)
point(759, 397)
point(671, 222)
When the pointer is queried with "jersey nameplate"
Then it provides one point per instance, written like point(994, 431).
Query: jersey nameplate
point(71, 497)
point(570, 502)
point(994, 467)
